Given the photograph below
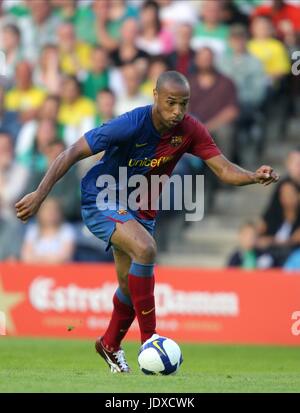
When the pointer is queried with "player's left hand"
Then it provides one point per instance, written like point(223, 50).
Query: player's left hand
point(265, 175)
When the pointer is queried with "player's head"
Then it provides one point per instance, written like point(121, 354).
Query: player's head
point(171, 98)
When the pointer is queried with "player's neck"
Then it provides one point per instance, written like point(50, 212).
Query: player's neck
point(158, 125)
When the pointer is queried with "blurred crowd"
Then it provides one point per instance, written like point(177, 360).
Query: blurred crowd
point(66, 66)
point(274, 241)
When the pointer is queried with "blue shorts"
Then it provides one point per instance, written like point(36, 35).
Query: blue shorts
point(103, 223)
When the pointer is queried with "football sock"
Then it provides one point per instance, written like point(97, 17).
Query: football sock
point(122, 317)
point(141, 287)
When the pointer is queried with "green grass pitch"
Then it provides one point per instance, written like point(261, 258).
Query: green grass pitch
point(49, 365)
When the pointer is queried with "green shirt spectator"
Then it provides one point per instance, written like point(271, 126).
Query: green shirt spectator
point(210, 31)
point(97, 78)
point(94, 83)
point(216, 38)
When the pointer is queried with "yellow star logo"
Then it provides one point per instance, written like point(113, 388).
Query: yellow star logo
point(8, 300)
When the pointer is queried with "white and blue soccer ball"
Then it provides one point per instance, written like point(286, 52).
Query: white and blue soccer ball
point(160, 355)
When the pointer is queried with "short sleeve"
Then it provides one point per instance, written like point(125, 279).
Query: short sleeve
point(112, 133)
point(202, 144)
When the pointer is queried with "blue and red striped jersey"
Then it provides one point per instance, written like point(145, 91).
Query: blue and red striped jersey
point(132, 141)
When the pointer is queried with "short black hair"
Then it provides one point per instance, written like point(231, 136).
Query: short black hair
point(171, 76)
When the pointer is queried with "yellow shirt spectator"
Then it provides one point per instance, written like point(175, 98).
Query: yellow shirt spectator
point(70, 64)
point(272, 54)
point(147, 88)
point(21, 100)
point(72, 113)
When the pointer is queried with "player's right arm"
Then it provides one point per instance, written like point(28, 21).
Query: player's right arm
point(30, 203)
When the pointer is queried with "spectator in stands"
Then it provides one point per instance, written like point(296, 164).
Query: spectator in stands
point(248, 256)
point(275, 59)
point(50, 240)
point(232, 14)
point(108, 19)
point(5, 19)
point(38, 28)
point(65, 9)
point(132, 97)
point(105, 106)
point(13, 177)
point(273, 208)
point(173, 13)
point(285, 16)
point(152, 38)
point(157, 65)
point(35, 157)
point(127, 51)
point(66, 190)
point(25, 97)
point(280, 234)
point(293, 167)
point(214, 100)
point(76, 112)
point(74, 56)
point(249, 77)
point(9, 121)
point(11, 46)
point(97, 78)
point(210, 31)
point(105, 110)
point(269, 50)
point(181, 59)
point(47, 73)
point(48, 111)
point(80, 15)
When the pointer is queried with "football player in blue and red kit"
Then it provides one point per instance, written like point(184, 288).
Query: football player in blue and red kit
point(146, 141)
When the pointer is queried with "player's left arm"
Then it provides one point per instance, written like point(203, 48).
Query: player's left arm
point(232, 174)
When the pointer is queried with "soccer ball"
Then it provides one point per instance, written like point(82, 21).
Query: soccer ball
point(159, 355)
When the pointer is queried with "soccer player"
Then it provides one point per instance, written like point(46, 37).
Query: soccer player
point(148, 141)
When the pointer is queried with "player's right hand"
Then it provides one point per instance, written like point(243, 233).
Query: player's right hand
point(28, 206)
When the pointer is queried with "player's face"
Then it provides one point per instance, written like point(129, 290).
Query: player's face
point(171, 104)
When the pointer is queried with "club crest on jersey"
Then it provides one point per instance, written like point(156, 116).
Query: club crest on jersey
point(122, 212)
point(176, 141)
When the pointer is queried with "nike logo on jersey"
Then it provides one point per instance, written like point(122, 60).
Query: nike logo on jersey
point(140, 145)
point(147, 312)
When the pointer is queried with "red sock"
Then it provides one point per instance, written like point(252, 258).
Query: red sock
point(141, 287)
point(122, 317)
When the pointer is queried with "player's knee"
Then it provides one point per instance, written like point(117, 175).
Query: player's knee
point(146, 252)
